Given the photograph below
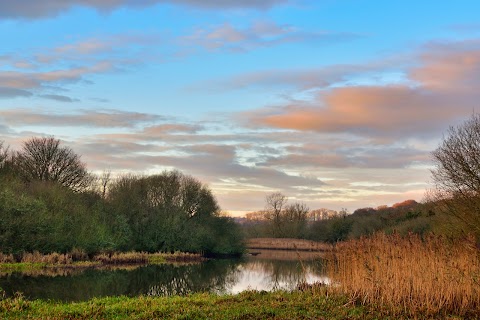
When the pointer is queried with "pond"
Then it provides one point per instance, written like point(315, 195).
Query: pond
point(267, 270)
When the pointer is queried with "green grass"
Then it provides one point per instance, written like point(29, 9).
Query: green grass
point(309, 304)
point(21, 266)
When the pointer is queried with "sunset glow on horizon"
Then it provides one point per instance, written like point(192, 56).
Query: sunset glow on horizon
point(337, 104)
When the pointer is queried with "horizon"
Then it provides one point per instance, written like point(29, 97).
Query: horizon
point(337, 104)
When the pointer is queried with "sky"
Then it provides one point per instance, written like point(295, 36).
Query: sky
point(337, 104)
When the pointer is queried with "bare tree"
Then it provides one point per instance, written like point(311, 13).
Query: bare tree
point(44, 159)
point(104, 180)
point(4, 152)
point(274, 204)
point(457, 172)
point(295, 219)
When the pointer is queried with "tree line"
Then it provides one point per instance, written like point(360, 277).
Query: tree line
point(451, 207)
point(49, 202)
point(282, 220)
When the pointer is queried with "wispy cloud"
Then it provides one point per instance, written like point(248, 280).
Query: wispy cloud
point(227, 37)
point(6, 92)
point(81, 118)
point(33, 9)
point(59, 98)
point(44, 70)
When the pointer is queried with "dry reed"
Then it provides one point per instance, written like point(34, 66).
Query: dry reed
point(287, 244)
point(52, 258)
point(122, 258)
point(6, 258)
point(432, 276)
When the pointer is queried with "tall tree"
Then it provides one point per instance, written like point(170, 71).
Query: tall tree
point(457, 172)
point(44, 159)
point(274, 204)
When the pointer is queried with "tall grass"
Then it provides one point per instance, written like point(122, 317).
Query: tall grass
point(287, 244)
point(51, 258)
point(432, 276)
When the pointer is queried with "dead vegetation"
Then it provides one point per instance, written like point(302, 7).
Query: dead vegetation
point(433, 276)
point(287, 244)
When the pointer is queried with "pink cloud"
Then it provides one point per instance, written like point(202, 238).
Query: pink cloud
point(446, 89)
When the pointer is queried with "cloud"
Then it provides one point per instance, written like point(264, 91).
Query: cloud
point(32, 9)
point(29, 80)
point(171, 128)
point(59, 98)
point(81, 118)
point(443, 89)
point(50, 68)
point(6, 92)
point(260, 34)
point(307, 79)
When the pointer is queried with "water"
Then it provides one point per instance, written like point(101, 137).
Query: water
point(266, 271)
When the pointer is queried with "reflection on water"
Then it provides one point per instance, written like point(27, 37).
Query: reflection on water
point(265, 271)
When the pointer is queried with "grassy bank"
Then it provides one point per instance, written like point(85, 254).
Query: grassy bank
point(309, 304)
point(409, 275)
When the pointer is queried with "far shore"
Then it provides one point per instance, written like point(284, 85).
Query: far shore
point(287, 244)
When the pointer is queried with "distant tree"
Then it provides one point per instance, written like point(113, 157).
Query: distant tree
point(104, 179)
point(295, 219)
point(44, 159)
point(457, 173)
point(274, 204)
point(3, 153)
point(5, 158)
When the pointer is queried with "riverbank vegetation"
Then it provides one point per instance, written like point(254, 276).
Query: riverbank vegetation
point(50, 203)
point(432, 276)
point(37, 263)
point(307, 304)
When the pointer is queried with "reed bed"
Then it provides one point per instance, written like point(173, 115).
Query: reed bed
point(414, 276)
point(52, 258)
point(122, 258)
point(287, 244)
point(7, 258)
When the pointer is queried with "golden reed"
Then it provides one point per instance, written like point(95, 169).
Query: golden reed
point(432, 276)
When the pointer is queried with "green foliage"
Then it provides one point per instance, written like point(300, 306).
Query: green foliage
point(164, 212)
point(414, 218)
point(170, 212)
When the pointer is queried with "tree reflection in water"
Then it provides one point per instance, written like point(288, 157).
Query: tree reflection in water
point(216, 276)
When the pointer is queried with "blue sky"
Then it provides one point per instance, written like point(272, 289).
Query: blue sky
point(334, 103)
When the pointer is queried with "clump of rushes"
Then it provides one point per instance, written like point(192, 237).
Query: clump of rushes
point(6, 258)
point(433, 276)
point(52, 258)
point(122, 258)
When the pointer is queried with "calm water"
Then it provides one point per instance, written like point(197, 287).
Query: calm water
point(266, 271)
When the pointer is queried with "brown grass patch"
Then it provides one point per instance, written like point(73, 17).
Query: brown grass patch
point(433, 276)
point(52, 258)
point(287, 244)
point(7, 258)
point(122, 258)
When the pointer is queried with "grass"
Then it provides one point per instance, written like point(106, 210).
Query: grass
point(309, 304)
point(434, 277)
